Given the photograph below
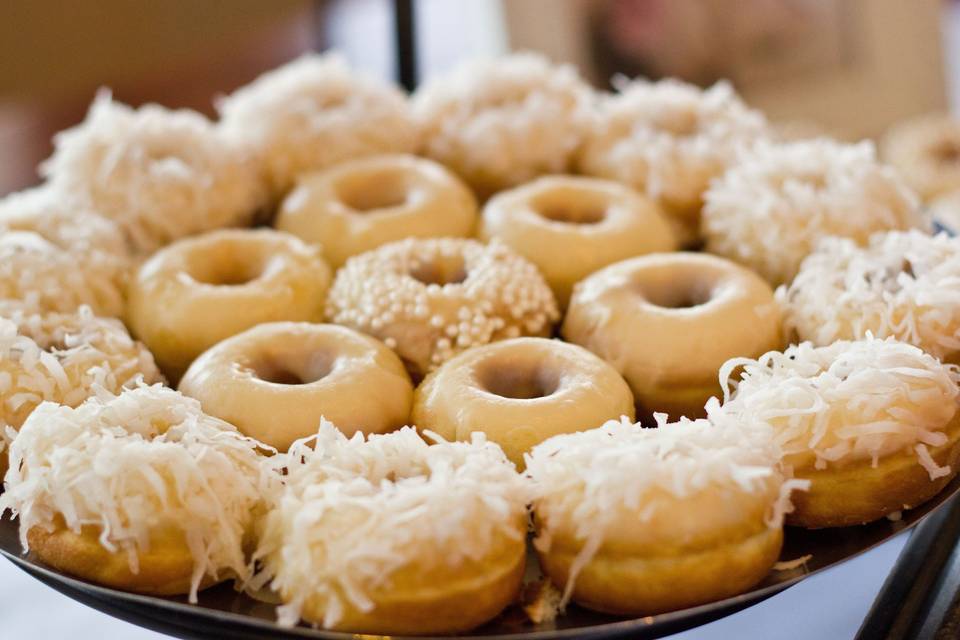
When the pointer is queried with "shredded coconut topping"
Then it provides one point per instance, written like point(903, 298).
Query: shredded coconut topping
point(583, 481)
point(131, 463)
point(845, 402)
point(499, 123)
point(62, 357)
point(902, 284)
point(668, 139)
point(790, 565)
point(313, 113)
point(62, 221)
point(777, 202)
point(429, 299)
point(355, 511)
point(40, 276)
point(159, 174)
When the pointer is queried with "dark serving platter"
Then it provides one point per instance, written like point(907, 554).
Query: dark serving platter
point(222, 612)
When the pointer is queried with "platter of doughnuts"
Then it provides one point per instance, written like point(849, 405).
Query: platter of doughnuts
point(507, 357)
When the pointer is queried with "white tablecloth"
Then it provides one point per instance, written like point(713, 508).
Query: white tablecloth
point(829, 606)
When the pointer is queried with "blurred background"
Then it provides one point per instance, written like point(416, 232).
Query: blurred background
point(845, 67)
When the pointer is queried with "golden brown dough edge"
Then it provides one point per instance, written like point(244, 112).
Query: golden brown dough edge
point(859, 493)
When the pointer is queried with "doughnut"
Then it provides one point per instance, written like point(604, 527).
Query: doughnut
point(572, 226)
point(773, 206)
point(872, 424)
point(667, 322)
point(668, 140)
point(636, 521)
point(62, 358)
point(62, 221)
point(362, 204)
point(159, 174)
point(275, 381)
point(520, 392)
point(499, 123)
point(41, 277)
point(198, 291)
point(390, 535)
point(926, 151)
point(313, 113)
point(168, 508)
point(902, 284)
point(429, 299)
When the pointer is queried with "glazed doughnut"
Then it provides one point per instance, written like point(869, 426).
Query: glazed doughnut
point(520, 392)
point(500, 123)
point(873, 424)
point(637, 521)
point(63, 222)
point(41, 277)
point(926, 151)
point(571, 226)
point(668, 321)
point(362, 204)
point(902, 284)
point(167, 511)
point(275, 381)
point(777, 202)
point(159, 174)
point(313, 113)
point(198, 291)
point(668, 140)
point(390, 535)
point(429, 299)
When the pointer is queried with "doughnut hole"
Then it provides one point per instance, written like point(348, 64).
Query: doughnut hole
point(687, 291)
point(392, 189)
point(518, 380)
point(678, 122)
point(233, 269)
point(441, 270)
point(570, 206)
point(293, 367)
point(947, 152)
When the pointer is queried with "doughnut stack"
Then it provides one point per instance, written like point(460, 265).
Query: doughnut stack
point(370, 351)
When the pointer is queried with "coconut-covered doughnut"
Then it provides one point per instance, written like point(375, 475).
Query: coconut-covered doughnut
point(902, 284)
point(926, 150)
point(159, 174)
point(572, 226)
point(520, 392)
point(64, 222)
point(499, 123)
point(313, 113)
point(362, 204)
point(395, 536)
point(669, 139)
point(873, 424)
point(636, 521)
point(198, 291)
point(275, 381)
point(140, 492)
point(667, 322)
point(61, 357)
point(429, 299)
point(777, 202)
point(41, 277)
